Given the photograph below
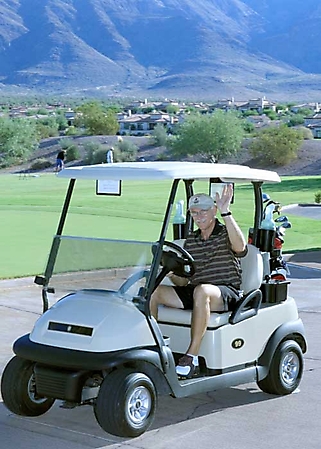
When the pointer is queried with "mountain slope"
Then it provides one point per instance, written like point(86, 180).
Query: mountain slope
point(290, 31)
point(203, 49)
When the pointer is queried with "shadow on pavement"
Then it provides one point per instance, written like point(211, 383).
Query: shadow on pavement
point(79, 424)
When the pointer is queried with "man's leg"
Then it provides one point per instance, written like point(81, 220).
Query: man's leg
point(207, 299)
point(165, 295)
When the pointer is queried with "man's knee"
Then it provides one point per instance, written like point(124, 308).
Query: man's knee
point(208, 295)
point(200, 296)
point(156, 297)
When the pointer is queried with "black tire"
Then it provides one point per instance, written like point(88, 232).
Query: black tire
point(18, 389)
point(126, 403)
point(285, 371)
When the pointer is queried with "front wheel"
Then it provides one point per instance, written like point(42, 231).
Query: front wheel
point(126, 403)
point(285, 370)
point(18, 389)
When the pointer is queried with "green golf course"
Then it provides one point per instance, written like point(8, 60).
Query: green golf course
point(30, 207)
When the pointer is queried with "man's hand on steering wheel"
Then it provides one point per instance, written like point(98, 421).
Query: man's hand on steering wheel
point(179, 261)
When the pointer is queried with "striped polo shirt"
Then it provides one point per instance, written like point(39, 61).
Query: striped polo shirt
point(215, 261)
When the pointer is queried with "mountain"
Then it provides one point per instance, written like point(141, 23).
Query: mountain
point(183, 48)
point(290, 32)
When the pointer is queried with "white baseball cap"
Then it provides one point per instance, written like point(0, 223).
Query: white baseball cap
point(201, 201)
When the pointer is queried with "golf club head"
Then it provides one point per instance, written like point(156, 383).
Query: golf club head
point(265, 197)
point(280, 230)
point(287, 225)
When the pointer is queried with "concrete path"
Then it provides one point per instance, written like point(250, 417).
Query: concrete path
point(304, 210)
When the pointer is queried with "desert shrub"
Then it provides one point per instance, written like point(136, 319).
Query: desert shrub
point(66, 143)
point(71, 131)
point(277, 145)
point(317, 197)
point(18, 138)
point(125, 151)
point(164, 156)
point(90, 149)
point(306, 132)
point(6, 162)
point(40, 164)
point(72, 153)
point(46, 129)
point(99, 156)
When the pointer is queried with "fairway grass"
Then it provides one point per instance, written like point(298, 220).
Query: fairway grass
point(30, 209)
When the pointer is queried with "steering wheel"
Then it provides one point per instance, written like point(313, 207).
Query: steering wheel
point(179, 261)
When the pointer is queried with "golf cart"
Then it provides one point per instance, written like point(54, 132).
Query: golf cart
point(98, 344)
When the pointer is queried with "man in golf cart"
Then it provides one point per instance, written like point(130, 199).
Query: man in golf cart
point(215, 286)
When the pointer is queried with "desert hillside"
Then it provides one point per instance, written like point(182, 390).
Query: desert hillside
point(307, 163)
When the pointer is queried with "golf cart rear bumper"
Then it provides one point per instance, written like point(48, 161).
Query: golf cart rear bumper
point(82, 360)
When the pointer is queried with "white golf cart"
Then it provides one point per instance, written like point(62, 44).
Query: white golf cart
point(98, 344)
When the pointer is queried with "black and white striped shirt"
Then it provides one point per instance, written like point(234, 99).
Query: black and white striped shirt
point(215, 261)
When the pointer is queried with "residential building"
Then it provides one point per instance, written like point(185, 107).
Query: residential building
point(314, 124)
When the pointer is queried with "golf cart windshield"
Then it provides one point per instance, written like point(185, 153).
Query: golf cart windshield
point(93, 263)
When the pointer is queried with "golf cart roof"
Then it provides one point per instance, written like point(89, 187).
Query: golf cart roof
point(168, 170)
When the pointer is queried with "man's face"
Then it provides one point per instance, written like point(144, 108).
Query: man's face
point(203, 218)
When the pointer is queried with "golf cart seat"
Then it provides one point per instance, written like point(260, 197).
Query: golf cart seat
point(252, 276)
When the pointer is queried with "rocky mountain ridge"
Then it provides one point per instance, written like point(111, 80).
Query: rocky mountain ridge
point(181, 48)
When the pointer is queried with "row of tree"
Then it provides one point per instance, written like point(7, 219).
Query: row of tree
point(214, 137)
point(209, 137)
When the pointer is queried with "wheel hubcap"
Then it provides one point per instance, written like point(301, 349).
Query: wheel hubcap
point(32, 391)
point(290, 368)
point(139, 405)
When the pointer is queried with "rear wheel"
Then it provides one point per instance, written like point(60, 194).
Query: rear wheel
point(285, 371)
point(18, 389)
point(126, 403)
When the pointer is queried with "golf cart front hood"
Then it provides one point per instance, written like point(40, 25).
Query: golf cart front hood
point(93, 320)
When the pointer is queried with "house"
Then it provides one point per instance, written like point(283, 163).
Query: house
point(314, 124)
point(142, 124)
point(257, 104)
point(225, 104)
point(70, 116)
point(314, 107)
point(259, 121)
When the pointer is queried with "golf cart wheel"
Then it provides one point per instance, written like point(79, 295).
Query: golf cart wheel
point(18, 389)
point(126, 403)
point(285, 371)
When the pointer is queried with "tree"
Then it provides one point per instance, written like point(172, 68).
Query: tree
point(160, 135)
point(172, 109)
point(211, 136)
point(295, 120)
point(148, 109)
point(277, 145)
point(96, 120)
point(18, 138)
point(271, 114)
point(61, 121)
point(47, 127)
